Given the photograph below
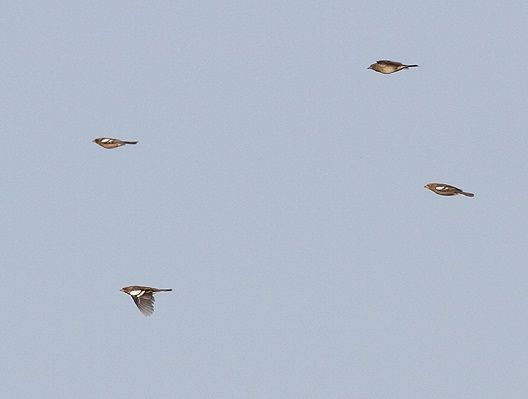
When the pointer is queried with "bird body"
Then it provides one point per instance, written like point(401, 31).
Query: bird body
point(446, 189)
point(143, 297)
point(386, 66)
point(109, 143)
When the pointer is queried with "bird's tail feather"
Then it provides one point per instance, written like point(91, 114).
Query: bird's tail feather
point(130, 142)
point(411, 66)
point(467, 194)
point(165, 289)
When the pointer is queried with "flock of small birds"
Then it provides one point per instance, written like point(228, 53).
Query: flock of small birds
point(143, 296)
point(387, 67)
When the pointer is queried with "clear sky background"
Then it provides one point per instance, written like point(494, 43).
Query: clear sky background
point(277, 187)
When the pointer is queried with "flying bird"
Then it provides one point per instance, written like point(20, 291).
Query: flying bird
point(107, 142)
point(143, 297)
point(446, 189)
point(386, 66)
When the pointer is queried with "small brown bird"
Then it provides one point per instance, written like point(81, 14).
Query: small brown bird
point(386, 66)
point(446, 189)
point(143, 297)
point(107, 142)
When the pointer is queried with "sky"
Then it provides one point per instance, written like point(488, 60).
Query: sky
point(277, 188)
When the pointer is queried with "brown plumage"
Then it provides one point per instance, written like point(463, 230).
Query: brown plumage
point(143, 297)
point(386, 66)
point(109, 143)
point(446, 189)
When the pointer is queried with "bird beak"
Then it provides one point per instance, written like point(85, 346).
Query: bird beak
point(122, 290)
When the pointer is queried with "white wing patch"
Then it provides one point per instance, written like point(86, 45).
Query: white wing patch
point(136, 292)
point(441, 188)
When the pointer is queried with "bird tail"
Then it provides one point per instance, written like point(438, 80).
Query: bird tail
point(411, 66)
point(165, 289)
point(130, 142)
point(467, 194)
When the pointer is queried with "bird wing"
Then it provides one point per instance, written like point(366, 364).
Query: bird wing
point(388, 62)
point(145, 303)
point(450, 188)
point(107, 140)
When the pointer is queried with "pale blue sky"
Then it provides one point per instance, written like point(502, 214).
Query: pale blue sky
point(277, 187)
